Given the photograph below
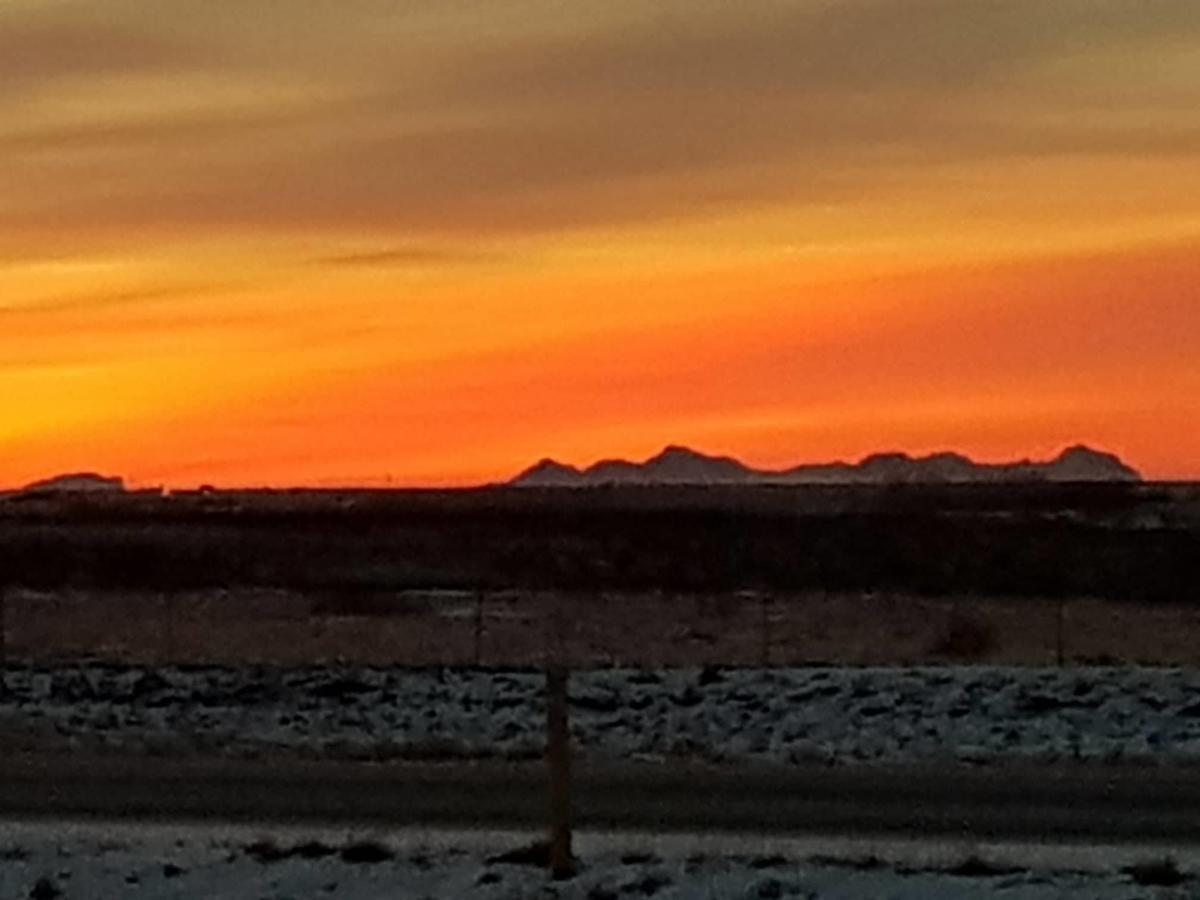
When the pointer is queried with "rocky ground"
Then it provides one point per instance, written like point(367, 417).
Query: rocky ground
point(837, 715)
point(37, 862)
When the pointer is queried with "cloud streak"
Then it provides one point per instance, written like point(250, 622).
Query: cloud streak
point(688, 111)
point(413, 255)
point(40, 54)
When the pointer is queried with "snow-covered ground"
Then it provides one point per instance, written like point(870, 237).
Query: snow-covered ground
point(99, 861)
point(769, 715)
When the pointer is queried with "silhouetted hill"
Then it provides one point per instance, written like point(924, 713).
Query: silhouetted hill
point(679, 465)
point(76, 483)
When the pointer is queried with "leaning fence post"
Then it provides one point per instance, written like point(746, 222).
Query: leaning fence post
point(558, 759)
point(168, 637)
point(764, 600)
point(1058, 645)
point(558, 751)
point(3, 642)
point(478, 628)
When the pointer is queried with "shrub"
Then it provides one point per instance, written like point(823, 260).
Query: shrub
point(366, 852)
point(860, 863)
point(965, 637)
point(975, 867)
point(45, 889)
point(536, 854)
point(266, 852)
point(1156, 873)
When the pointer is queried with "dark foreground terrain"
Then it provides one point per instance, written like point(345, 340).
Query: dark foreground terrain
point(1103, 804)
point(1123, 542)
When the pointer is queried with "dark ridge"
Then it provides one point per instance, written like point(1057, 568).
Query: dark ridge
point(1124, 541)
point(680, 465)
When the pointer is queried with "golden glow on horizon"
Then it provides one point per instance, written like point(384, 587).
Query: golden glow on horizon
point(433, 246)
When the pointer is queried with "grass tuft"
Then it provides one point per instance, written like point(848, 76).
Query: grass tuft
point(977, 867)
point(964, 638)
point(367, 852)
point(1156, 873)
point(45, 889)
point(860, 863)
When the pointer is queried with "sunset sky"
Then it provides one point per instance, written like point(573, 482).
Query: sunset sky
point(430, 241)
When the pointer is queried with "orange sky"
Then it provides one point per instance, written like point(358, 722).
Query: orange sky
point(429, 243)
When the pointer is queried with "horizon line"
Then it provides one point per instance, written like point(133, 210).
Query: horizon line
point(388, 481)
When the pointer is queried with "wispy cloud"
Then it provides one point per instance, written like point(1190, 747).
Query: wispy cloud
point(97, 301)
point(418, 256)
point(38, 52)
point(617, 114)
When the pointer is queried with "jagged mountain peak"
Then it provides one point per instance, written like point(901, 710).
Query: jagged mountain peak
point(550, 473)
point(678, 464)
point(77, 482)
point(1083, 463)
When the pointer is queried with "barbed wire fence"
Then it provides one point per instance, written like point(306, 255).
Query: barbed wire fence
point(560, 632)
point(588, 630)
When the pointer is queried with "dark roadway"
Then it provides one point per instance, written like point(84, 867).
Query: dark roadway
point(1062, 803)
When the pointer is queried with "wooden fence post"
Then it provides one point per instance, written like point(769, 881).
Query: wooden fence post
point(558, 749)
point(766, 630)
point(168, 635)
point(478, 629)
point(3, 642)
point(1058, 645)
point(558, 759)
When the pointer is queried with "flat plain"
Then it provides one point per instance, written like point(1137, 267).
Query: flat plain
point(905, 574)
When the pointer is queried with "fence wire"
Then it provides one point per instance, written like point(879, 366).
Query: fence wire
point(582, 630)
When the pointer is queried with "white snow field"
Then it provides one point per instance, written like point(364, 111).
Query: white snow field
point(99, 861)
point(837, 715)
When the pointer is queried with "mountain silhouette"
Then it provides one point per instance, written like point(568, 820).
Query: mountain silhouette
point(680, 465)
point(76, 483)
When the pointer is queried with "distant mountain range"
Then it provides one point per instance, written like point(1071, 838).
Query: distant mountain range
point(76, 483)
point(679, 465)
